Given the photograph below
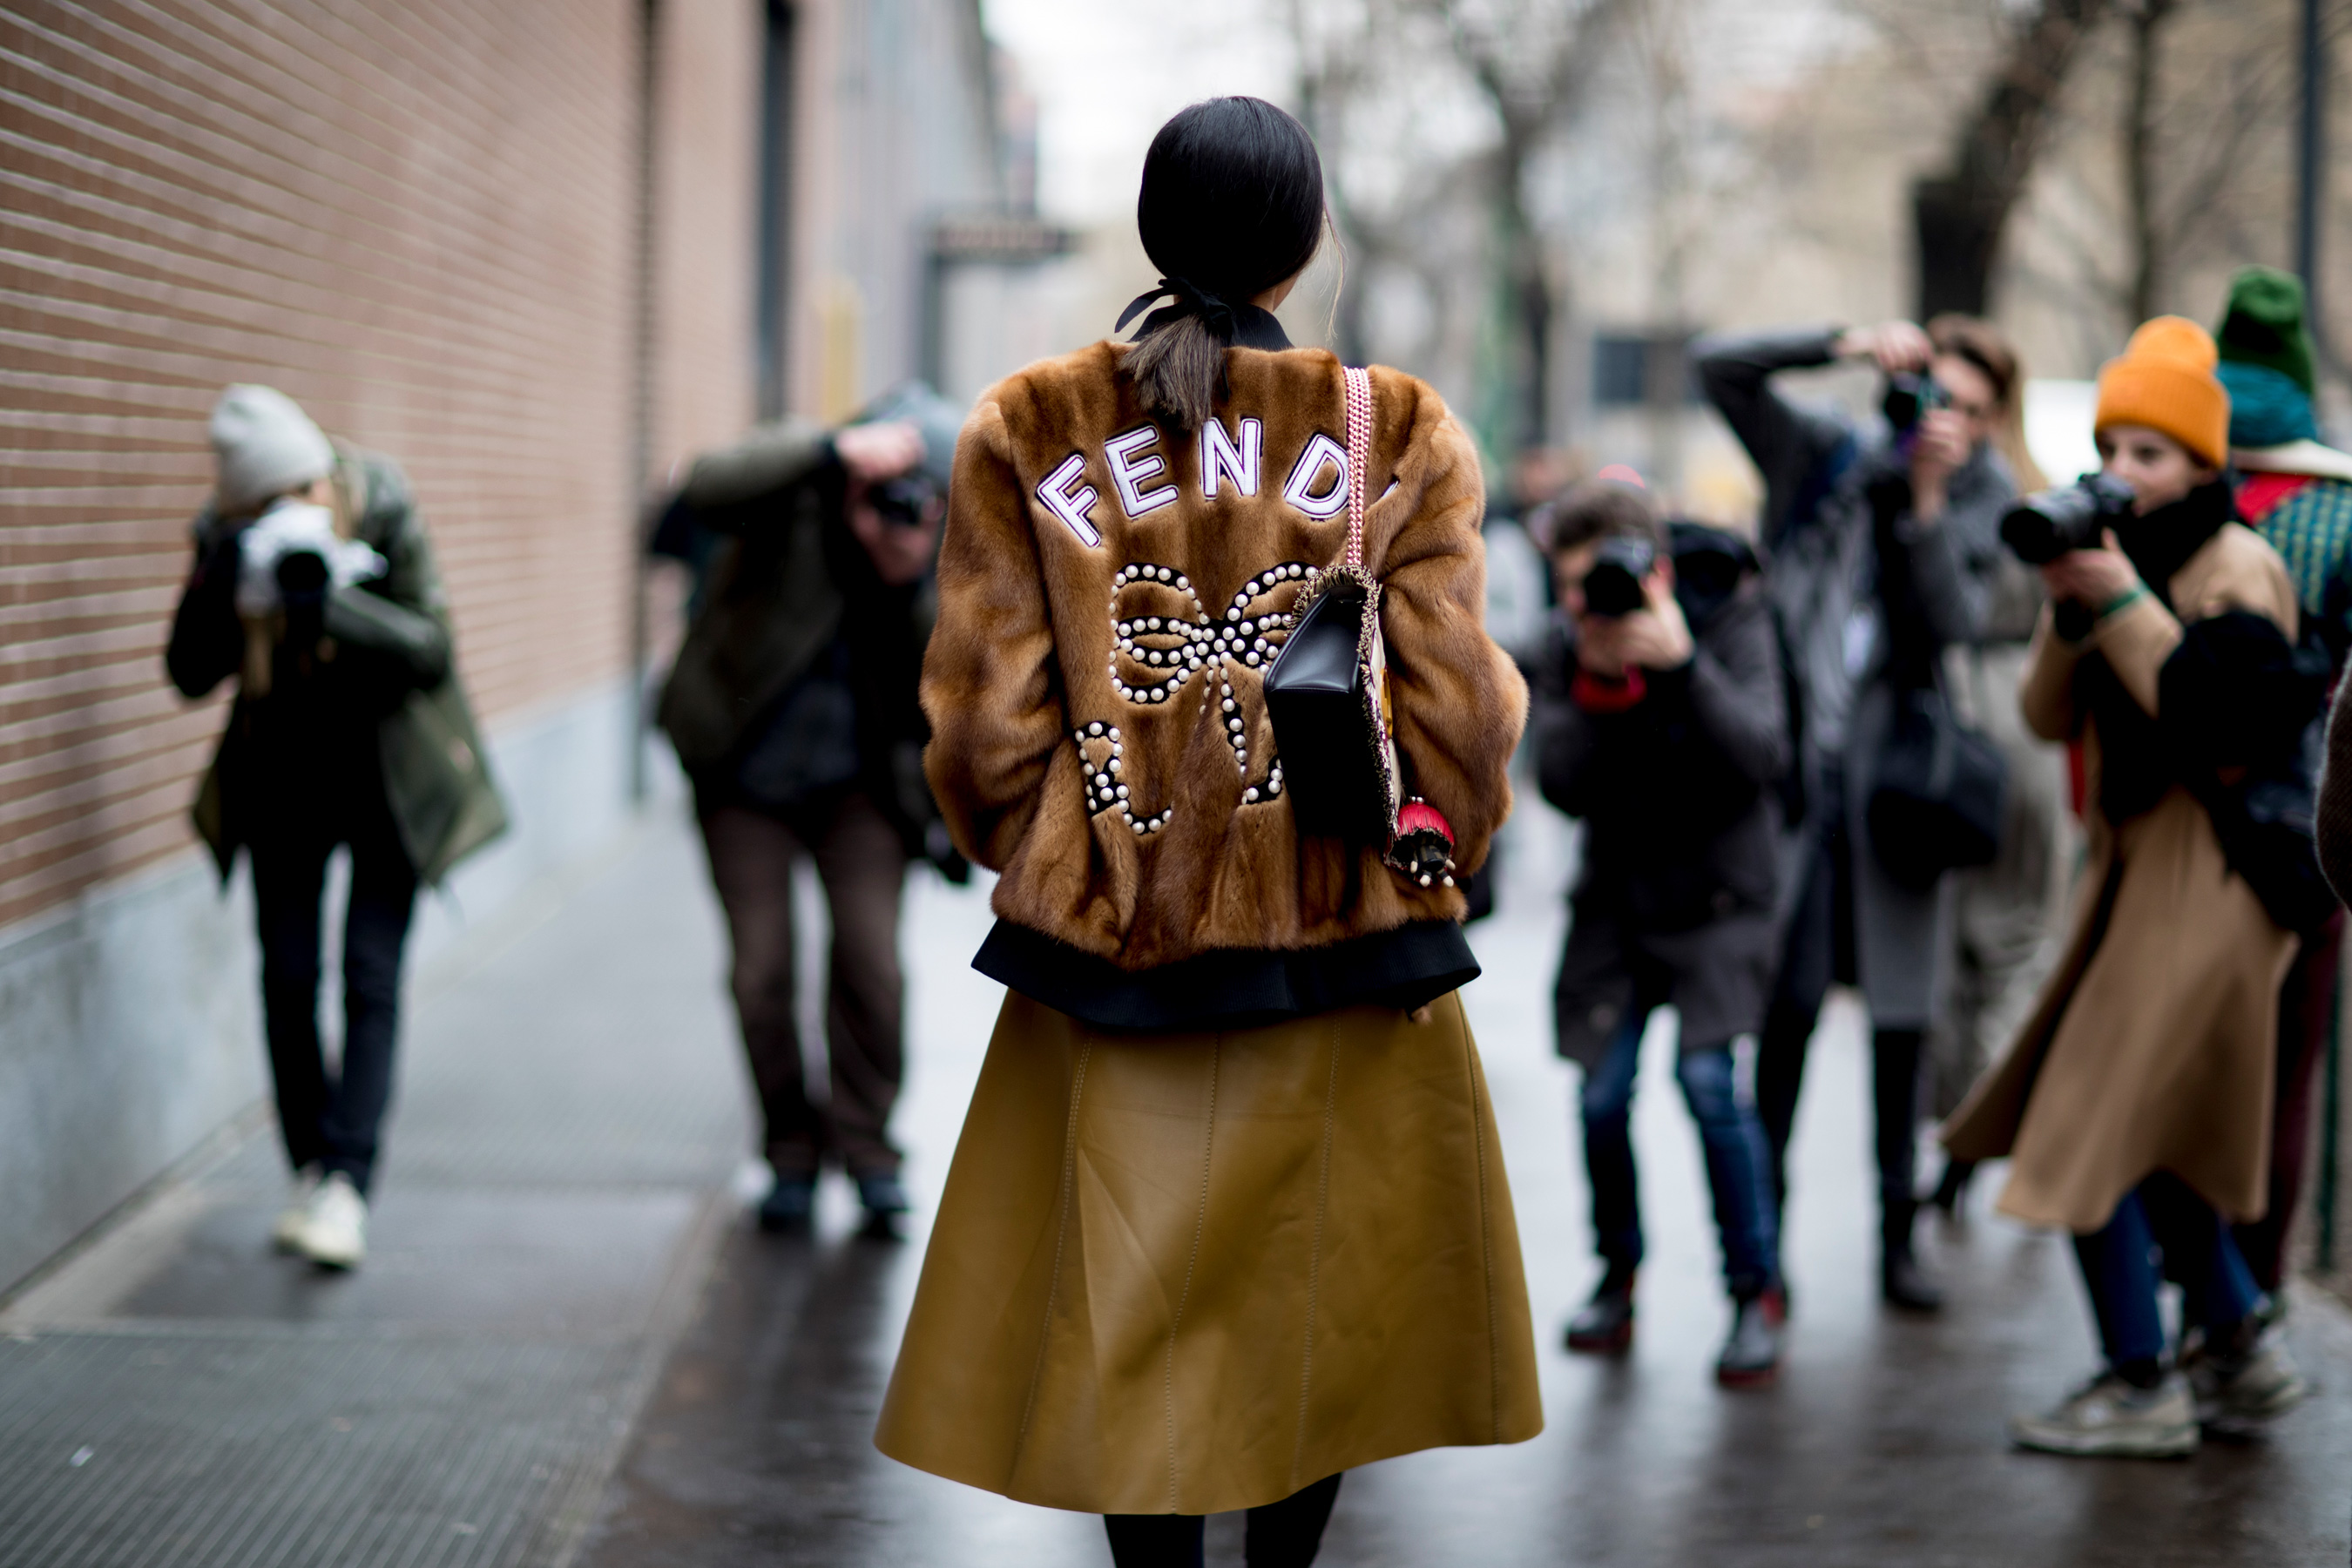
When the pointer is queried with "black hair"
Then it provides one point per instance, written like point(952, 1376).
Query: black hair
point(1600, 509)
point(1232, 205)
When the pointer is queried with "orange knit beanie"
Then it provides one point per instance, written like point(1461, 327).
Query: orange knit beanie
point(2164, 379)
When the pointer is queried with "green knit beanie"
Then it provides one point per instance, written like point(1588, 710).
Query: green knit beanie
point(2263, 324)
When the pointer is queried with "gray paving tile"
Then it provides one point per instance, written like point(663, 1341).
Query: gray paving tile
point(534, 1261)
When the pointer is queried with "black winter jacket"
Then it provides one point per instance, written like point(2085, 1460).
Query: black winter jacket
point(1683, 825)
point(1676, 790)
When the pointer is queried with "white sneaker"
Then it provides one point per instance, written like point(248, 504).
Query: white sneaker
point(287, 1234)
point(2109, 1417)
point(333, 1233)
point(2261, 1384)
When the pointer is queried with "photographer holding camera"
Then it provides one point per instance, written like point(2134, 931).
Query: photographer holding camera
point(1659, 722)
point(1879, 547)
point(2134, 1103)
point(314, 585)
point(792, 707)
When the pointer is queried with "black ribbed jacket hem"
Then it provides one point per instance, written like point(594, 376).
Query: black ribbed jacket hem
point(1233, 988)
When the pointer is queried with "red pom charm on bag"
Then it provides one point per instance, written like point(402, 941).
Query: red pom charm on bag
point(1424, 846)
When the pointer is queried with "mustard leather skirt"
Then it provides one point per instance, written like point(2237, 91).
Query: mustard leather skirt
point(1195, 1273)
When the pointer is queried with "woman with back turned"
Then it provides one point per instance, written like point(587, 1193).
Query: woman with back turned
point(1228, 1215)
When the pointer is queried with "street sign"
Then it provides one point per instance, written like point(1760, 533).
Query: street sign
point(1004, 238)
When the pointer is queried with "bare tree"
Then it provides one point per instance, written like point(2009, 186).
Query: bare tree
point(1959, 215)
point(2171, 158)
point(1534, 62)
point(1403, 135)
point(2144, 20)
point(1335, 57)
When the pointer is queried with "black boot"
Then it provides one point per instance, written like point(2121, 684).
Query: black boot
point(884, 1199)
point(790, 1204)
point(1751, 1356)
point(1605, 1326)
point(1901, 1281)
point(1952, 1190)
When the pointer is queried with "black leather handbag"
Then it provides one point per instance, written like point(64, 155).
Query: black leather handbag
point(1942, 790)
point(1326, 691)
point(1327, 695)
point(1940, 798)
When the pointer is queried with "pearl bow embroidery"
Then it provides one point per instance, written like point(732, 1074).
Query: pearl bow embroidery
point(1154, 655)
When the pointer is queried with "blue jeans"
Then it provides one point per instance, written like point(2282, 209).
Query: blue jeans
point(1739, 1163)
point(2119, 1263)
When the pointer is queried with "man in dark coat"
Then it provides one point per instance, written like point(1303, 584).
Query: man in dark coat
point(1664, 729)
point(1879, 546)
point(314, 585)
point(792, 707)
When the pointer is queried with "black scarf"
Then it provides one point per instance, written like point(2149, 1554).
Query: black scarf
point(2139, 759)
point(2160, 543)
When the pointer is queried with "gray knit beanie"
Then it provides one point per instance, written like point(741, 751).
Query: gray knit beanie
point(265, 445)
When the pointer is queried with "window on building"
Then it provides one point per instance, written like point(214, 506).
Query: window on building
point(1622, 363)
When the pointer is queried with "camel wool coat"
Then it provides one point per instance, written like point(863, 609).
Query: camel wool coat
point(1184, 1269)
point(2151, 1044)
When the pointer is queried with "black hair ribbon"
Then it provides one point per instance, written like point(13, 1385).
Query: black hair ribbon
point(1191, 299)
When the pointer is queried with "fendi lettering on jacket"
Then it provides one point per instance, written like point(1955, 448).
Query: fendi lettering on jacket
point(1111, 593)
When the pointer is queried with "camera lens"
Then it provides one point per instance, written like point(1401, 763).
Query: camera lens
point(903, 501)
point(1613, 585)
point(2040, 528)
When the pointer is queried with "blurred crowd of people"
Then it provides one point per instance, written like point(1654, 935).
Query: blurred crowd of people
point(2033, 771)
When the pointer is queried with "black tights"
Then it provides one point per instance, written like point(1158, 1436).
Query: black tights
point(1283, 1534)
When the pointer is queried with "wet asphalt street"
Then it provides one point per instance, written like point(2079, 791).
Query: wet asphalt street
point(570, 1347)
point(1882, 1446)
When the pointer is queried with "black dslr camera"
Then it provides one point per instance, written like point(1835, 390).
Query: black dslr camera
point(903, 500)
point(1908, 397)
point(2042, 527)
point(1613, 585)
point(302, 594)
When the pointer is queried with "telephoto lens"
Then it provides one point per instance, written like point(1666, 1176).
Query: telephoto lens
point(1613, 585)
point(2045, 526)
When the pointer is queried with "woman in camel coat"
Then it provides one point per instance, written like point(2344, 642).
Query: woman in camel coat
point(2134, 1103)
point(1228, 1215)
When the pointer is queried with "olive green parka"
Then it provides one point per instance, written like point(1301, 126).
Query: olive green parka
point(435, 777)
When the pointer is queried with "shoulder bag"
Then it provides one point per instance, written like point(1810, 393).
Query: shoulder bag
point(1327, 695)
point(1940, 797)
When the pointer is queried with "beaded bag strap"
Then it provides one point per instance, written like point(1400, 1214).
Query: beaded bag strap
point(1359, 386)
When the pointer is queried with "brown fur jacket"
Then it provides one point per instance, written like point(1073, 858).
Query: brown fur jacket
point(1074, 521)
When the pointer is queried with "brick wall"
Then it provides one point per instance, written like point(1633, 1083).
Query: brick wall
point(416, 216)
point(705, 241)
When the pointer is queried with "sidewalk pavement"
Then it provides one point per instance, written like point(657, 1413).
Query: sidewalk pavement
point(568, 1116)
point(568, 1348)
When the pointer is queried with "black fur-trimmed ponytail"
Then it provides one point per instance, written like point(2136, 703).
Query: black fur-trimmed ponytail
point(1232, 205)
